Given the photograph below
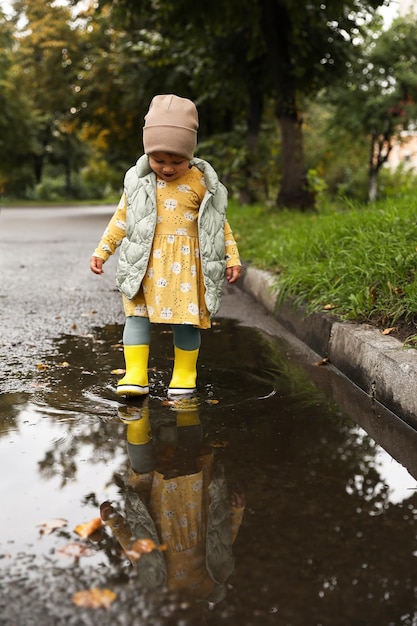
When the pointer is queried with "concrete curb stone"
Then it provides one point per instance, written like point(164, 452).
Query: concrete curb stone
point(378, 364)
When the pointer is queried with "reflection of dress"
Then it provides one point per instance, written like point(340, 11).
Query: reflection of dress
point(193, 517)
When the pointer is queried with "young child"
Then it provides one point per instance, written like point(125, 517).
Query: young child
point(176, 245)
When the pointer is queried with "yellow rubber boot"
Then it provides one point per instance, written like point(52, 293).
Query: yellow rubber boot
point(135, 381)
point(184, 375)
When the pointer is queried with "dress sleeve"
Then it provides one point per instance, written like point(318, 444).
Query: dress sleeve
point(114, 233)
point(232, 253)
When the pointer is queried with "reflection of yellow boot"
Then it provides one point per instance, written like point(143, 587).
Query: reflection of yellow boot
point(139, 440)
point(184, 375)
point(135, 381)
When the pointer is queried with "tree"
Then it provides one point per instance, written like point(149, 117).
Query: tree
point(48, 57)
point(15, 115)
point(237, 55)
point(379, 101)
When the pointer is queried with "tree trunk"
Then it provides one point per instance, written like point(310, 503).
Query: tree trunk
point(247, 194)
point(294, 192)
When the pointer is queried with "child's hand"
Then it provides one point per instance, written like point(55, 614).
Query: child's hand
point(96, 265)
point(233, 273)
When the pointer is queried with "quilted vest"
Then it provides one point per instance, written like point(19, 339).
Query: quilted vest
point(140, 190)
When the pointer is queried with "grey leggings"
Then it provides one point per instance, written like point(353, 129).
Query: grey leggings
point(137, 332)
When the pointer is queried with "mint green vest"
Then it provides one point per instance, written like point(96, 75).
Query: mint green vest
point(140, 190)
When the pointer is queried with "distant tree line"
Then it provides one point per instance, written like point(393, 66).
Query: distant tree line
point(292, 96)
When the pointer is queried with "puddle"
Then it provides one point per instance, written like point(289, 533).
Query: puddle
point(328, 534)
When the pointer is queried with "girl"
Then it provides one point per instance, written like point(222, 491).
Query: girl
point(176, 245)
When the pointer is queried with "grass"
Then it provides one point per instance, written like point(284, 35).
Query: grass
point(359, 262)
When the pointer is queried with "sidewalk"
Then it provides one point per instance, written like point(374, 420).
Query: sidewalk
point(377, 363)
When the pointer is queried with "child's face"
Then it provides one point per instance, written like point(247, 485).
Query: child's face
point(168, 166)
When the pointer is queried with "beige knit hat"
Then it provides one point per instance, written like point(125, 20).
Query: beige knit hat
point(171, 126)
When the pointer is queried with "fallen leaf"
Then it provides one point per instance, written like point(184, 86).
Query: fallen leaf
point(94, 598)
point(75, 550)
point(50, 525)
point(42, 366)
point(117, 346)
point(322, 362)
point(142, 546)
point(118, 371)
point(329, 307)
point(88, 528)
point(219, 444)
point(64, 364)
point(212, 401)
point(388, 331)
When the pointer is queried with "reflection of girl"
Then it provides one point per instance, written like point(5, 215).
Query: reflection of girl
point(183, 504)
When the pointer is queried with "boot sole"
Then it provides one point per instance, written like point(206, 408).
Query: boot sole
point(132, 390)
point(181, 391)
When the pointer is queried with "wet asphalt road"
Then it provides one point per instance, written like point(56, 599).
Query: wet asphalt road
point(328, 538)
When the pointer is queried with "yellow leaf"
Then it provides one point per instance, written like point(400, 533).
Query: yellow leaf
point(42, 366)
point(94, 598)
point(219, 444)
point(212, 401)
point(329, 307)
point(388, 331)
point(88, 528)
point(142, 546)
point(75, 550)
point(118, 371)
point(50, 525)
point(322, 362)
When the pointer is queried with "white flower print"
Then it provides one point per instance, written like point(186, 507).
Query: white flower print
point(192, 309)
point(193, 270)
point(162, 282)
point(183, 522)
point(157, 253)
point(168, 513)
point(170, 204)
point(190, 217)
point(185, 287)
point(161, 183)
point(140, 310)
point(106, 248)
point(170, 239)
point(181, 231)
point(197, 253)
point(151, 272)
point(166, 314)
point(120, 224)
point(176, 268)
point(185, 249)
point(150, 310)
point(184, 188)
point(171, 486)
point(159, 219)
point(198, 485)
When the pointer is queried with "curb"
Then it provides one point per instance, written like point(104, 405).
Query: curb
point(377, 363)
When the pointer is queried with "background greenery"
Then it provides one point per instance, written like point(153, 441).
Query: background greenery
point(293, 97)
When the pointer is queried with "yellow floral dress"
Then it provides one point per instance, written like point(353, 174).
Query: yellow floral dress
point(172, 289)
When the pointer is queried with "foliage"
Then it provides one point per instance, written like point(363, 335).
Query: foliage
point(380, 98)
point(360, 263)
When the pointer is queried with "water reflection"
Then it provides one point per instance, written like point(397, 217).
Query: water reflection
point(176, 495)
point(329, 531)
